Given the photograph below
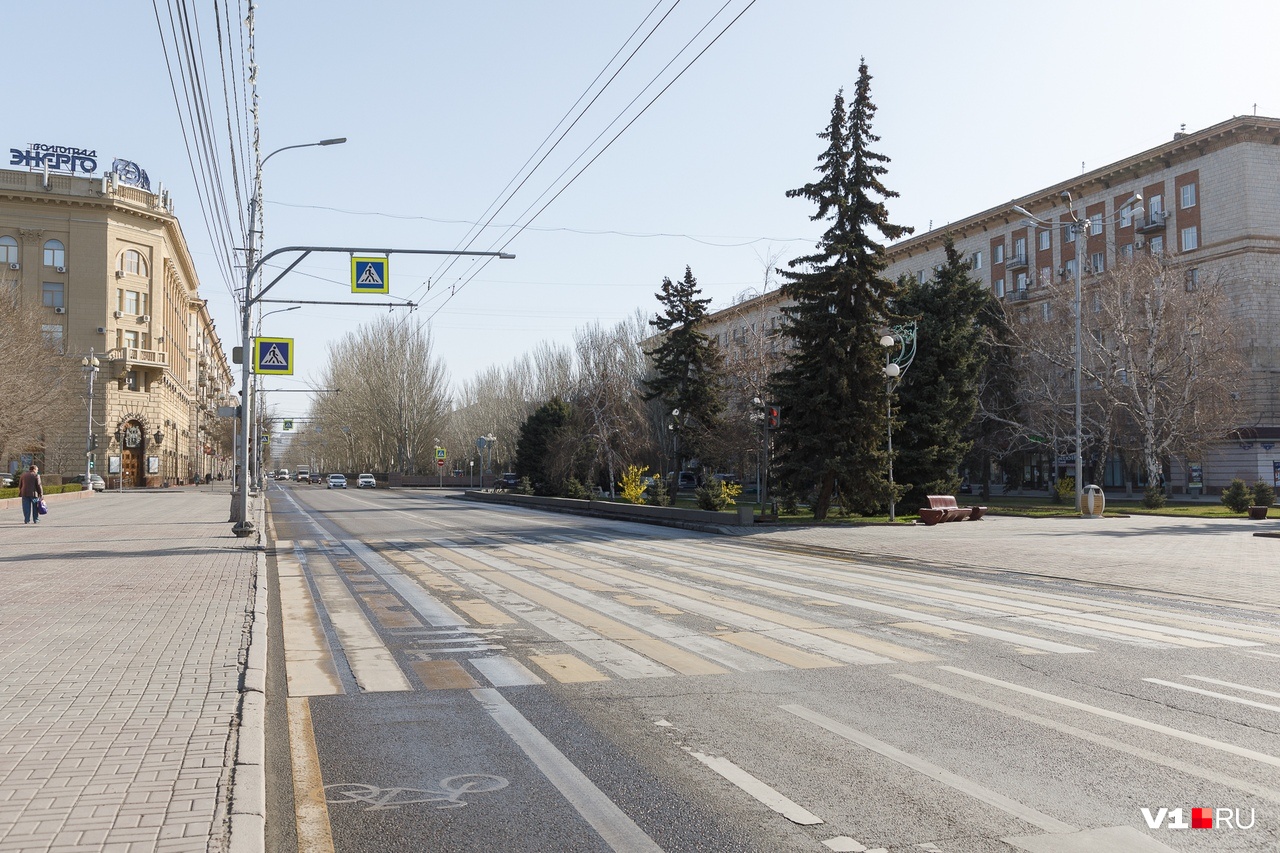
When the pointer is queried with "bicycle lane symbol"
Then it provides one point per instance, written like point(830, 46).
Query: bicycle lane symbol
point(451, 790)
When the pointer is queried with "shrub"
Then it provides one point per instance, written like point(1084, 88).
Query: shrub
point(573, 488)
point(1264, 494)
point(711, 495)
point(1153, 497)
point(658, 494)
point(1236, 497)
point(632, 484)
point(1064, 491)
point(523, 487)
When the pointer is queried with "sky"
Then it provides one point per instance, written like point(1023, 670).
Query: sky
point(443, 105)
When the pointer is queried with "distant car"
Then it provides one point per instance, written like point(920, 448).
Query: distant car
point(509, 480)
point(6, 481)
point(731, 479)
point(316, 477)
point(282, 474)
point(337, 481)
point(95, 482)
point(686, 480)
point(366, 481)
point(303, 477)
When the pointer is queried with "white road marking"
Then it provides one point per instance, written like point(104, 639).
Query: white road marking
point(1272, 693)
point(618, 831)
point(372, 663)
point(1222, 746)
point(505, 672)
point(753, 786)
point(933, 771)
point(426, 605)
point(1213, 693)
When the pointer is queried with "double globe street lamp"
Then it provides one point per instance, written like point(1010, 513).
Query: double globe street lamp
point(895, 367)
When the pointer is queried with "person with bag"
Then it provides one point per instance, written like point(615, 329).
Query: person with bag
point(31, 490)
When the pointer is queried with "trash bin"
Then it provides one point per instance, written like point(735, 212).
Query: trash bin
point(746, 515)
point(1093, 500)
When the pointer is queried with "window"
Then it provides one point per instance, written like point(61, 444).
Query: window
point(131, 380)
point(55, 254)
point(1155, 206)
point(1097, 309)
point(920, 276)
point(999, 288)
point(132, 262)
point(1043, 237)
point(8, 251)
point(1193, 279)
point(1190, 238)
point(1187, 196)
point(129, 302)
point(1046, 276)
point(1022, 282)
point(129, 339)
point(1095, 224)
point(52, 294)
point(1020, 248)
point(1098, 262)
point(1069, 268)
point(977, 260)
point(998, 256)
point(1126, 216)
point(53, 334)
point(1045, 313)
point(1126, 251)
point(1156, 245)
point(1069, 233)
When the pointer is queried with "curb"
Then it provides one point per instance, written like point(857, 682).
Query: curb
point(248, 818)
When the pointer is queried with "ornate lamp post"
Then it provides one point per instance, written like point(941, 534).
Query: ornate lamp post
point(89, 365)
point(895, 367)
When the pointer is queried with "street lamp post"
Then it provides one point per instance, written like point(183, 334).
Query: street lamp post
point(90, 366)
point(895, 367)
point(243, 526)
point(1079, 231)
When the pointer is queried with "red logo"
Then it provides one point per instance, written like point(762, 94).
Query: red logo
point(1202, 818)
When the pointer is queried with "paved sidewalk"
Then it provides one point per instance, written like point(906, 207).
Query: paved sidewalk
point(124, 625)
point(1219, 559)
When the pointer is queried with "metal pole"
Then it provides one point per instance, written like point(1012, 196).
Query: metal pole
point(240, 480)
point(1080, 238)
point(91, 367)
point(888, 396)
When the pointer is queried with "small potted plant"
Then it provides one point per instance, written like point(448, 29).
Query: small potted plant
point(1264, 495)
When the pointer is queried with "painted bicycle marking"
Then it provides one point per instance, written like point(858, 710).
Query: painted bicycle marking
point(451, 791)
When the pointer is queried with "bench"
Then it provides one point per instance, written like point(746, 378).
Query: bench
point(944, 508)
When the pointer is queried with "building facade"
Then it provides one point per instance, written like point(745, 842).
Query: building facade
point(1209, 198)
point(108, 268)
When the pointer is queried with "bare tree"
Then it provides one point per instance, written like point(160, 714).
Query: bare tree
point(609, 398)
point(38, 384)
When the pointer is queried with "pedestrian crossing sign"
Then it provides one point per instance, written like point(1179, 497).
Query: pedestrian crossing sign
point(370, 275)
point(273, 356)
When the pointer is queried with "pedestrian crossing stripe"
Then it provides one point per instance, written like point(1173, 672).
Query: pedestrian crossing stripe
point(273, 356)
point(370, 275)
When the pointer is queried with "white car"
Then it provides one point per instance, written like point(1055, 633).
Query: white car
point(337, 481)
point(366, 481)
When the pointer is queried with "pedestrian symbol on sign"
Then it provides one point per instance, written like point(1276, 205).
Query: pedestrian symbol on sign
point(369, 275)
point(273, 356)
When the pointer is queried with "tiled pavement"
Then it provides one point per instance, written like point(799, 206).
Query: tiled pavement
point(1219, 559)
point(124, 620)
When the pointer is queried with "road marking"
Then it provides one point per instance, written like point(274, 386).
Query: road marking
point(1102, 740)
point(1222, 746)
point(502, 671)
point(482, 612)
point(451, 791)
point(310, 669)
point(427, 606)
point(1214, 694)
point(1264, 654)
point(372, 663)
point(780, 652)
point(444, 675)
point(389, 611)
point(933, 771)
point(753, 786)
point(567, 669)
point(1272, 693)
point(311, 814)
point(612, 823)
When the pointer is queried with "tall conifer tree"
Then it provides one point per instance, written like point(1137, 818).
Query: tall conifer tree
point(831, 391)
point(687, 368)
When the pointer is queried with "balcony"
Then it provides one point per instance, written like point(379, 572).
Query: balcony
point(1014, 262)
point(1152, 224)
point(133, 358)
point(1019, 295)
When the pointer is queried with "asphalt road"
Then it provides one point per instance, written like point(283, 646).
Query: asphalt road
point(461, 677)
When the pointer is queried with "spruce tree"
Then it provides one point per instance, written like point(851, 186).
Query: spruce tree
point(831, 390)
point(687, 369)
point(938, 396)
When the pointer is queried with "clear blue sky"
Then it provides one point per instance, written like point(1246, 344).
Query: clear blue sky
point(444, 102)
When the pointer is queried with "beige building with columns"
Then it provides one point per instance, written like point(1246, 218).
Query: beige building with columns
point(108, 267)
point(1209, 197)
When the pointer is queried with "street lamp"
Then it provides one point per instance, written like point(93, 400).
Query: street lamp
point(240, 514)
point(1079, 231)
point(89, 365)
point(895, 367)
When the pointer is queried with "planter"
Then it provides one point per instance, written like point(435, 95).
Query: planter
point(1257, 513)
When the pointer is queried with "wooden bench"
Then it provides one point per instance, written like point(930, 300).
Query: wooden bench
point(944, 508)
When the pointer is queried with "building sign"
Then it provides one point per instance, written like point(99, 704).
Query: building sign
point(132, 174)
point(56, 158)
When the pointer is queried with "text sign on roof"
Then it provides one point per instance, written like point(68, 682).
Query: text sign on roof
point(370, 275)
point(273, 356)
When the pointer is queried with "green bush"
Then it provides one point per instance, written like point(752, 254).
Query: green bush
point(1064, 491)
point(657, 493)
point(1237, 497)
point(1153, 497)
point(1264, 494)
point(712, 495)
point(573, 488)
point(524, 486)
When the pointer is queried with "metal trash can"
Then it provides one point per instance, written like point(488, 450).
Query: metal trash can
point(746, 515)
point(1093, 502)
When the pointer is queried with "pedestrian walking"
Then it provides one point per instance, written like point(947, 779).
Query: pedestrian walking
point(31, 490)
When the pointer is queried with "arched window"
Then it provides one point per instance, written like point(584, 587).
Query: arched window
point(55, 254)
point(132, 262)
point(8, 250)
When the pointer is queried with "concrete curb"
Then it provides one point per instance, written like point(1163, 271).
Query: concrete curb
point(16, 503)
point(702, 521)
point(249, 778)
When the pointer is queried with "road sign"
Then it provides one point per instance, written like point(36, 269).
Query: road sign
point(273, 356)
point(370, 275)
point(439, 463)
point(440, 453)
point(288, 425)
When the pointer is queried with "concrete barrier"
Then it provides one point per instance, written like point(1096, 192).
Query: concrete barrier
point(61, 497)
point(671, 516)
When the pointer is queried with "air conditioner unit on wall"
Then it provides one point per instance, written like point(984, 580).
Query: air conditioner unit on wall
point(59, 310)
point(145, 318)
point(119, 273)
point(117, 314)
point(102, 330)
point(61, 269)
point(15, 266)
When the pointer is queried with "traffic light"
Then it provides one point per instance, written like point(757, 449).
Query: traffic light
point(93, 442)
point(773, 415)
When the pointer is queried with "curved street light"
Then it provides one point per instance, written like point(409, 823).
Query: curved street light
point(895, 367)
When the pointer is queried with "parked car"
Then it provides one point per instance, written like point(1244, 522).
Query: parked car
point(337, 481)
point(686, 480)
point(6, 481)
point(508, 480)
point(366, 481)
point(95, 482)
point(731, 479)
